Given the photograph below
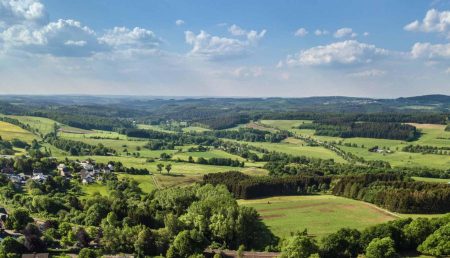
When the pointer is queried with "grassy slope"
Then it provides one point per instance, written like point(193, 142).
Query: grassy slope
point(431, 135)
point(321, 215)
point(9, 131)
point(433, 180)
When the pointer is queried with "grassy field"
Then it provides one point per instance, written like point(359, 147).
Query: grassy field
point(321, 214)
point(433, 180)
point(41, 124)
point(284, 124)
point(9, 131)
point(145, 181)
point(434, 135)
point(297, 147)
point(207, 154)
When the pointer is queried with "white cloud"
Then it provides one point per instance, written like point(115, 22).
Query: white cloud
point(79, 43)
point(301, 32)
point(447, 71)
point(366, 34)
point(60, 38)
point(236, 30)
point(179, 22)
point(344, 32)
point(215, 47)
point(248, 72)
point(121, 37)
point(321, 32)
point(367, 73)
point(430, 51)
point(21, 11)
point(344, 52)
point(24, 27)
point(434, 21)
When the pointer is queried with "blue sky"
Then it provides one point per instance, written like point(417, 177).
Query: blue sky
point(225, 48)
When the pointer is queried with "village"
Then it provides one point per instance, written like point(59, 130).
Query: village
point(87, 172)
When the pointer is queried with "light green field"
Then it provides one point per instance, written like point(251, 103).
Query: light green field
point(432, 180)
point(284, 124)
point(320, 214)
point(153, 127)
point(41, 124)
point(95, 188)
point(145, 181)
point(434, 135)
point(196, 129)
point(207, 155)
point(295, 147)
point(9, 131)
point(45, 125)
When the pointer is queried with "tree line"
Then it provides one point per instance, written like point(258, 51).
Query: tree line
point(385, 240)
point(247, 187)
point(395, 194)
point(427, 149)
point(343, 129)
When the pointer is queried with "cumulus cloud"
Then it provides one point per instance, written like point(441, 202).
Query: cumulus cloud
point(434, 21)
point(215, 47)
point(60, 38)
point(24, 27)
point(301, 32)
point(248, 72)
point(344, 52)
point(120, 37)
point(179, 22)
point(21, 11)
point(344, 32)
point(319, 32)
point(430, 51)
point(367, 73)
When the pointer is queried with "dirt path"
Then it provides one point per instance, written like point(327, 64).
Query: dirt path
point(155, 181)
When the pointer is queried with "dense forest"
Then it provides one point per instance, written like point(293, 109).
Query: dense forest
point(256, 187)
point(395, 131)
point(396, 195)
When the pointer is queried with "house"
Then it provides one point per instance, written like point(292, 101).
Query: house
point(111, 167)
point(63, 170)
point(87, 165)
point(40, 177)
point(87, 177)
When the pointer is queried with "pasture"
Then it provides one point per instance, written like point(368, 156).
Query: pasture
point(320, 214)
point(432, 134)
point(9, 131)
point(298, 148)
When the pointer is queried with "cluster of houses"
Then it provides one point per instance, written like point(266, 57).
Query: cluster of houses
point(88, 174)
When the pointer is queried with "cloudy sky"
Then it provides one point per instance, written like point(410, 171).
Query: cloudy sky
point(255, 48)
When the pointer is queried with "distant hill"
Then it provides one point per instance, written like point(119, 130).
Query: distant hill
point(427, 99)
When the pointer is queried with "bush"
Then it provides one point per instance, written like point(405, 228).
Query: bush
point(381, 248)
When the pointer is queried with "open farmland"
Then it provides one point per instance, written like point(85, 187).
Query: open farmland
point(320, 214)
point(298, 148)
point(9, 131)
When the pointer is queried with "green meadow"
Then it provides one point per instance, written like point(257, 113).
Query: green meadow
point(9, 131)
point(320, 214)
